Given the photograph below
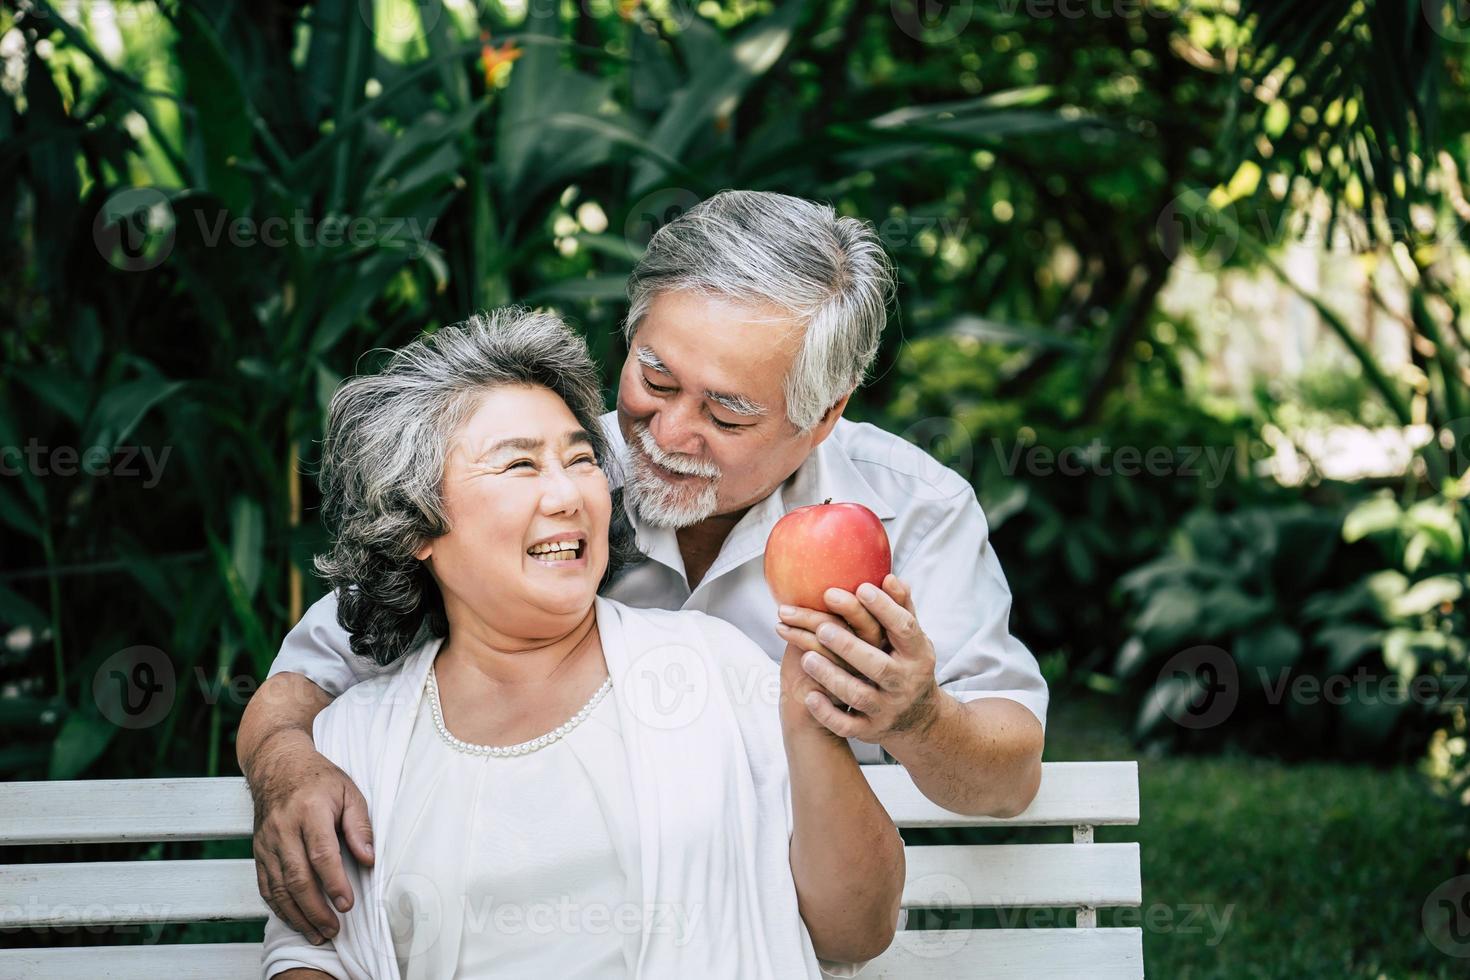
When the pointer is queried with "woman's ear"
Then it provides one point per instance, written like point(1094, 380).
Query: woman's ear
point(425, 550)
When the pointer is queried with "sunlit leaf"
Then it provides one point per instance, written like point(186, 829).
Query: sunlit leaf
point(1427, 595)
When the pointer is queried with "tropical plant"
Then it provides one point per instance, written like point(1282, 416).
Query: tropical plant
point(219, 208)
point(1072, 507)
point(1342, 110)
point(1349, 111)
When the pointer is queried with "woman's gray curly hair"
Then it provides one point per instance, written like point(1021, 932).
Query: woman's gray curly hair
point(387, 441)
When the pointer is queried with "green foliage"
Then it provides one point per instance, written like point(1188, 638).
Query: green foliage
point(144, 317)
point(1291, 593)
point(1071, 507)
point(1426, 629)
point(1359, 85)
point(1341, 110)
point(1023, 173)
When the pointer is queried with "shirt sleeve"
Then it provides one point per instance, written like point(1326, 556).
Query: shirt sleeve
point(286, 949)
point(964, 605)
point(319, 649)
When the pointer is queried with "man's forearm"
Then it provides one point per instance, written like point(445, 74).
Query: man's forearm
point(846, 855)
point(980, 758)
point(285, 704)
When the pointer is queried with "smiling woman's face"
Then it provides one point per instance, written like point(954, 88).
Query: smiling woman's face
point(520, 480)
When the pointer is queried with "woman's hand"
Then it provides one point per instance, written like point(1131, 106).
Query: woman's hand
point(846, 855)
point(796, 687)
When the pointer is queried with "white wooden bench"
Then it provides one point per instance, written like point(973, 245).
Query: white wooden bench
point(1082, 875)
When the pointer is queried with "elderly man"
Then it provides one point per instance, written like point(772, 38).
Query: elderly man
point(753, 318)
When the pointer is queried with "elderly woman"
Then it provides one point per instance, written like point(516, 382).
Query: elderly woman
point(561, 786)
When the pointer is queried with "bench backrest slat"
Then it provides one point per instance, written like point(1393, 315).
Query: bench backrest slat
point(134, 892)
point(102, 810)
point(1012, 954)
point(95, 811)
point(1023, 876)
point(192, 961)
point(1071, 793)
point(128, 892)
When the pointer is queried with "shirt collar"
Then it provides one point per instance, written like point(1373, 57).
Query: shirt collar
point(828, 474)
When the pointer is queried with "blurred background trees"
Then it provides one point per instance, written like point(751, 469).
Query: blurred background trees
point(1228, 231)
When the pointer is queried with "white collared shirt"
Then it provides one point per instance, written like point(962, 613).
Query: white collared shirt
point(941, 549)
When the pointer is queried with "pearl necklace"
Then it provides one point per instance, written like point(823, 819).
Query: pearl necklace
point(522, 748)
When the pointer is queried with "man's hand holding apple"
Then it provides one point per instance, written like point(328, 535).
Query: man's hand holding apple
point(890, 686)
point(859, 644)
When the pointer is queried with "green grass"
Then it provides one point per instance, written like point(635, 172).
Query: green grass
point(1322, 868)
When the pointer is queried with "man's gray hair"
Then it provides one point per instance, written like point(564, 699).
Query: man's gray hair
point(830, 272)
point(387, 441)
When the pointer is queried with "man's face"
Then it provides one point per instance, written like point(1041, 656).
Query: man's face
point(702, 407)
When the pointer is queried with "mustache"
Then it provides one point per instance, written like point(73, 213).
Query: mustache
point(684, 465)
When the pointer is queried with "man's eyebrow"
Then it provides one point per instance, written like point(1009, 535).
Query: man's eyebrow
point(650, 360)
point(528, 445)
point(738, 404)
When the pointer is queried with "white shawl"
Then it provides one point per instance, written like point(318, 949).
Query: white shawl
point(697, 705)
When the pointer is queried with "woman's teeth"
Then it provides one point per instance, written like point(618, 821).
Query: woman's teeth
point(556, 550)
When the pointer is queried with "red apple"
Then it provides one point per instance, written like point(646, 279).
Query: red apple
point(825, 546)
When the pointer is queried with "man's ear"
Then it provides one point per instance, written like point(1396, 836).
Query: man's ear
point(829, 421)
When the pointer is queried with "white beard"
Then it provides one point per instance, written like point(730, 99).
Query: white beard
point(659, 502)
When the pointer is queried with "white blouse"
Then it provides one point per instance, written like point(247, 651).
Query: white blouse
point(706, 861)
point(521, 858)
